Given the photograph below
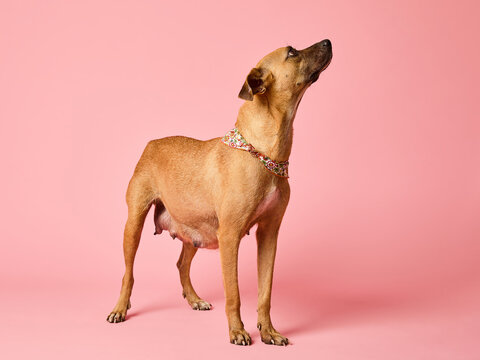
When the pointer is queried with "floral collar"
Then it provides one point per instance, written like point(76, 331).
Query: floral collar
point(234, 139)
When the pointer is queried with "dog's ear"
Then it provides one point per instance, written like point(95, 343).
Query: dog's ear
point(256, 83)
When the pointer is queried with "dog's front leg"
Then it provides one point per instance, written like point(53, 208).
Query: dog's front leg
point(266, 248)
point(229, 241)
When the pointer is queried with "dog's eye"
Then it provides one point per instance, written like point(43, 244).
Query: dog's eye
point(292, 52)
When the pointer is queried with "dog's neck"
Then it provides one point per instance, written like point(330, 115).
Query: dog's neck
point(268, 126)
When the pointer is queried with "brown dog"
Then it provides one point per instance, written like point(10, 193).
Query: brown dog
point(209, 195)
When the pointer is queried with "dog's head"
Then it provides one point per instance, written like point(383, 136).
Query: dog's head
point(287, 72)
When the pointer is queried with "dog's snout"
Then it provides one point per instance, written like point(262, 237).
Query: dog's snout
point(326, 43)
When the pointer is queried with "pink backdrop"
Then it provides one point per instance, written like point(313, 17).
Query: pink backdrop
point(378, 252)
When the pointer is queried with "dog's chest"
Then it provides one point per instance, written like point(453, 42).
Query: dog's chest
point(268, 203)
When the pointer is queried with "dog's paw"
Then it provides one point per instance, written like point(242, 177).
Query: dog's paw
point(240, 337)
point(118, 315)
point(201, 305)
point(271, 336)
point(196, 303)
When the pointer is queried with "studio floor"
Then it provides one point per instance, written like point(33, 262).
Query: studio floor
point(67, 320)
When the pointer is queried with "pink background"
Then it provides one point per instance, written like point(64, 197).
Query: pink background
point(379, 250)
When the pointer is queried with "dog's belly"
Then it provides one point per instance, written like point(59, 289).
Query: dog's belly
point(202, 234)
point(201, 231)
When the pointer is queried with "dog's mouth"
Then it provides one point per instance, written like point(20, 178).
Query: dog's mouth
point(315, 75)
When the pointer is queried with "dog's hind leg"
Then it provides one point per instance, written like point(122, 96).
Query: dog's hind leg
point(139, 200)
point(183, 265)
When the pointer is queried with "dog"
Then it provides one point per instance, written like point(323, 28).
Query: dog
point(210, 193)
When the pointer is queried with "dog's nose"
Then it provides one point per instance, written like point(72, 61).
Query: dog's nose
point(326, 43)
